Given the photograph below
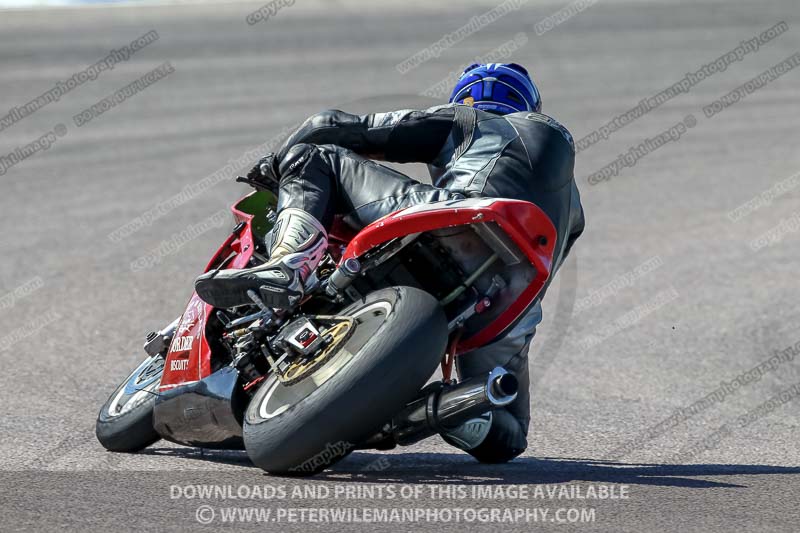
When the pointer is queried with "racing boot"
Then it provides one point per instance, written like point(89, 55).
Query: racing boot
point(298, 244)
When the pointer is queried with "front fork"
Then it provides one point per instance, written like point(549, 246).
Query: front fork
point(157, 342)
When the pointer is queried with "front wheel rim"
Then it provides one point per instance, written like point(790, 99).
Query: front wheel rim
point(138, 387)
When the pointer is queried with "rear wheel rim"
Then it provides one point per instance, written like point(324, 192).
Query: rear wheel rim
point(279, 397)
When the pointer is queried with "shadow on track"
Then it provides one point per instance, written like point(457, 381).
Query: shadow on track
point(457, 469)
point(228, 457)
point(444, 468)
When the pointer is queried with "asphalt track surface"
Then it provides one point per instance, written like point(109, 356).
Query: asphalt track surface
point(623, 348)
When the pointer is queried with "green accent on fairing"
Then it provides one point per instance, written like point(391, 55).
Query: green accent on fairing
point(259, 204)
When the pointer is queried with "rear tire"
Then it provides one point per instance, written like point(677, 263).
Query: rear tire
point(125, 422)
point(304, 428)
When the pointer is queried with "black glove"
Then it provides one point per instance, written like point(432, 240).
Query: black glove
point(264, 175)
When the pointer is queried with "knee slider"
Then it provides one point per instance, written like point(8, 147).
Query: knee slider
point(505, 440)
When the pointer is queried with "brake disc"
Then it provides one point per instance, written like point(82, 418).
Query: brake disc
point(302, 368)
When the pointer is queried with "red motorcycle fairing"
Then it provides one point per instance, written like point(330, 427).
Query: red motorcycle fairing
point(527, 225)
point(188, 359)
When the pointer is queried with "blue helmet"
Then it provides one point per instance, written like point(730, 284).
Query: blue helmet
point(497, 87)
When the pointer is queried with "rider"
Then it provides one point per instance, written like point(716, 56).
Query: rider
point(490, 141)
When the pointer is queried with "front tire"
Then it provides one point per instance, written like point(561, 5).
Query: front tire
point(125, 422)
point(303, 428)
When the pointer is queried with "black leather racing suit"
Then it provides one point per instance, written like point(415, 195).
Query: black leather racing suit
point(326, 169)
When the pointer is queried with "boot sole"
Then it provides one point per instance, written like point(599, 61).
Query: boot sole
point(233, 293)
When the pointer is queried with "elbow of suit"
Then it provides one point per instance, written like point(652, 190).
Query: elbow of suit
point(332, 118)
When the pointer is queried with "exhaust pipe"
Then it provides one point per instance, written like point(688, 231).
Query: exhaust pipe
point(442, 407)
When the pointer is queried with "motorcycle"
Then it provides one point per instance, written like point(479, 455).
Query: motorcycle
point(349, 366)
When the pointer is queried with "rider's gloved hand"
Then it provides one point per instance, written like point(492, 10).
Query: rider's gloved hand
point(265, 174)
point(267, 167)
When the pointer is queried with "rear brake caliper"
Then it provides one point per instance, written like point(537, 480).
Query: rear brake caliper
point(307, 345)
